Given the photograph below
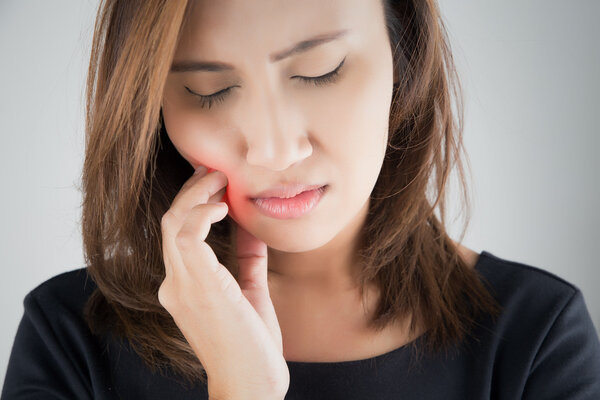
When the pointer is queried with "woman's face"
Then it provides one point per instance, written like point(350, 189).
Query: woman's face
point(270, 126)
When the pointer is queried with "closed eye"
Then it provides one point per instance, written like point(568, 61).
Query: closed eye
point(329, 78)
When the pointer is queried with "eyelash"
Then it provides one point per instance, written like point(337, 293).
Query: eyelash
point(219, 97)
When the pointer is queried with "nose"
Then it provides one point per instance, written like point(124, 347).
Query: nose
point(276, 138)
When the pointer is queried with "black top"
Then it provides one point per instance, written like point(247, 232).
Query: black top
point(543, 346)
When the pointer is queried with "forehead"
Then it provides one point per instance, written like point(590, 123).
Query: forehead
point(227, 27)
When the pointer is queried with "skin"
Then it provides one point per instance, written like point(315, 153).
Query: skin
point(208, 305)
point(271, 127)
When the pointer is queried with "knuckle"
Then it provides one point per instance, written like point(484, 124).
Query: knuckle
point(204, 250)
point(185, 240)
point(207, 254)
point(198, 208)
point(166, 219)
point(164, 296)
point(227, 283)
point(203, 194)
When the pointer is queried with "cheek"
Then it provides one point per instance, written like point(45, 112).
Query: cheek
point(198, 142)
point(193, 139)
point(197, 136)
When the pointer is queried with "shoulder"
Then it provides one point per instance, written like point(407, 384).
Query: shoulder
point(536, 304)
point(54, 314)
point(54, 354)
point(65, 291)
point(522, 283)
point(544, 335)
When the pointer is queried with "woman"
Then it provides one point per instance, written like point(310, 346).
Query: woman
point(303, 258)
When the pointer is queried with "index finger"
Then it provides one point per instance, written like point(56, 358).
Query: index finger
point(197, 190)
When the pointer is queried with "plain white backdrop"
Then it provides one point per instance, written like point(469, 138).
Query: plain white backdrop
point(530, 73)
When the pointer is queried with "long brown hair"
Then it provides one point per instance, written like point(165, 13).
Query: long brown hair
point(132, 172)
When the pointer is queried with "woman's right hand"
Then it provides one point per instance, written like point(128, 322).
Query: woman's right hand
point(232, 328)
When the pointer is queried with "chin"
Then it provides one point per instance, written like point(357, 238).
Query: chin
point(300, 245)
point(293, 240)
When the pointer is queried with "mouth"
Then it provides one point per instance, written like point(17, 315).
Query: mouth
point(286, 191)
point(300, 204)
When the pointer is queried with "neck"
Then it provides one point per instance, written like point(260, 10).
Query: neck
point(330, 269)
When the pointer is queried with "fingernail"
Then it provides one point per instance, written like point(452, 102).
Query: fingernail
point(200, 170)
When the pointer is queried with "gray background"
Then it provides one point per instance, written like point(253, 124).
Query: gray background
point(530, 73)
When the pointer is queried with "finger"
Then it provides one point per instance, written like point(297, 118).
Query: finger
point(198, 221)
point(171, 228)
point(252, 260)
point(197, 190)
point(191, 237)
point(172, 219)
point(168, 225)
point(252, 277)
point(217, 197)
point(198, 258)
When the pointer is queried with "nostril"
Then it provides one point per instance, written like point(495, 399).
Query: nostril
point(279, 155)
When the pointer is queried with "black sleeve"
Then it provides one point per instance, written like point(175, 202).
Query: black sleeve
point(567, 364)
point(41, 364)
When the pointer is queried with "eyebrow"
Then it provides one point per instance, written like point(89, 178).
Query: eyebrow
point(302, 46)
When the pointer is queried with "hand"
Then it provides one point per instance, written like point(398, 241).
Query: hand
point(233, 329)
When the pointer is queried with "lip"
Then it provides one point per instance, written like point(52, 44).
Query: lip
point(285, 191)
point(291, 207)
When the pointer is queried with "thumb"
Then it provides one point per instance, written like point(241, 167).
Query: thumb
point(252, 278)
